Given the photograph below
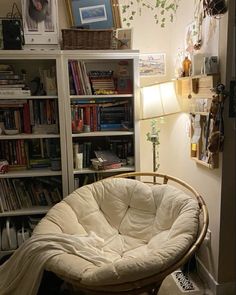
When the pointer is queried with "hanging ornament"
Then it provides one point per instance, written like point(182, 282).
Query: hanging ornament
point(214, 8)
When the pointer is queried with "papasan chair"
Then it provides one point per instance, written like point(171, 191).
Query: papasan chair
point(149, 231)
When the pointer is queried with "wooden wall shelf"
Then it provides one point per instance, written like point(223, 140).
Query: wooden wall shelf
point(197, 86)
point(199, 92)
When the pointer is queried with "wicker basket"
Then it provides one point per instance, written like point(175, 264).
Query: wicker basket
point(86, 39)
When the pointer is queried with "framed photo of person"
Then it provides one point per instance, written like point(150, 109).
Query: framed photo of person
point(40, 21)
point(94, 14)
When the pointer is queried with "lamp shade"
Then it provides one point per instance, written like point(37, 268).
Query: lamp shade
point(159, 100)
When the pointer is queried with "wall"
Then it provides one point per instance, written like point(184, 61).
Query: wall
point(174, 135)
point(217, 187)
point(206, 181)
point(174, 138)
point(174, 149)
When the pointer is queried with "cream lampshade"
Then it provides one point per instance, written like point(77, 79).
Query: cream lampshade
point(159, 100)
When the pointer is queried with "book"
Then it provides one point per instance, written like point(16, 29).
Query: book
point(112, 126)
point(26, 118)
point(97, 165)
point(107, 157)
point(14, 92)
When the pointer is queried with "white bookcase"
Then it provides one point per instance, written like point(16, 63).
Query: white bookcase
point(124, 66)
point(31, 62)
point(101, 137)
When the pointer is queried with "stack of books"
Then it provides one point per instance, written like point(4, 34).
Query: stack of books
point(102, 80)
point(11, 83)
point(106, 159)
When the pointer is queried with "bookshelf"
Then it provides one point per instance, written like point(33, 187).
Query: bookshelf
point(98, 119)
point(32, 135)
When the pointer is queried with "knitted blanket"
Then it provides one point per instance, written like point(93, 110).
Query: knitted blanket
point(22, 273)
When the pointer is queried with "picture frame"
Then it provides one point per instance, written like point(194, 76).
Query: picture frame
point(41, 32)
point(124, 38)
point(152, 64)
point(93, 14)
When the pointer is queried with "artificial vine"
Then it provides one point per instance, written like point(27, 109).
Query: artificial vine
point(163, 10)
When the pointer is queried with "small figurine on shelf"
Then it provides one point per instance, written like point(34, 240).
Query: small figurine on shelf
point(4, 165)
point(186, 67)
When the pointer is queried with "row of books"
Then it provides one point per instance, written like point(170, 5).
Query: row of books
point(96, 81)
point(12, 83)
point(26, 193)
point(101, 117)
point(33, 153)
point(79, 80)
point(21, 115)
point(102, 80)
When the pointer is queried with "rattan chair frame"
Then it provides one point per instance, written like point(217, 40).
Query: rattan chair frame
point(152, 283)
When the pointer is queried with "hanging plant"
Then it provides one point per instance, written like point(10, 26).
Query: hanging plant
point(162, 10)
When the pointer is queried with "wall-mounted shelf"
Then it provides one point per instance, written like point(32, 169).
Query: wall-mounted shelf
point(204, 125)
point(199, 151)
point(197, 86)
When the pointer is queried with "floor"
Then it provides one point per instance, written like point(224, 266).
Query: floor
point(169, 287)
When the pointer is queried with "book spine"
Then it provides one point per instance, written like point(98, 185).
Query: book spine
point(74, 75)
point(17, 92)
point(26, 118)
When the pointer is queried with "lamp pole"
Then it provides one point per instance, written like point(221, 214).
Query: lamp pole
point(154, 140)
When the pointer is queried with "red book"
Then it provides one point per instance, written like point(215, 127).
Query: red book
point(87, 120)
point(26, 119)
point(95, 126)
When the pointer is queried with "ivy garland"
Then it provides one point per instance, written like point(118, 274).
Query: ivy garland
point(163, 10)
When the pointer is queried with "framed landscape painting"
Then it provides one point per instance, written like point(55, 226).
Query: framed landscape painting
point(152, 64)
point(96, 14)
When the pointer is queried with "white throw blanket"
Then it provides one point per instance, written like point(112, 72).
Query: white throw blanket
point(22, 273)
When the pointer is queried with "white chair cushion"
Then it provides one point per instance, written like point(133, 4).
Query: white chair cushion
point(145, 228)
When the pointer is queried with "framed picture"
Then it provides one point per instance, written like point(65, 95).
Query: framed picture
point(124, 38)
point(152, 64)
point(94, 14)
point(40, 24)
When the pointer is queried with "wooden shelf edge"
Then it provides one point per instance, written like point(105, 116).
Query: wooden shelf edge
point(208, 165)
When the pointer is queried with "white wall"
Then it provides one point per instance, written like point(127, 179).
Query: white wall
point(174, 137)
